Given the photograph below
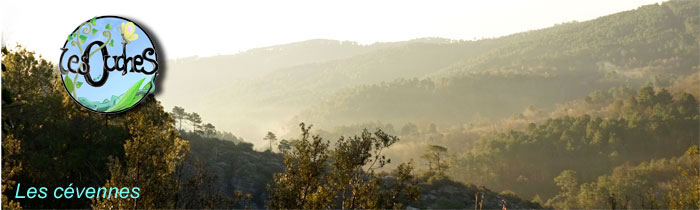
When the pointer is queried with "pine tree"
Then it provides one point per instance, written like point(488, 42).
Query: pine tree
point(271, 137)
point(209, 130)
point(179, 114)
point(434, 155)
point(196, 121)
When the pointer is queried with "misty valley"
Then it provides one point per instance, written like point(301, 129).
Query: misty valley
point(599, 114)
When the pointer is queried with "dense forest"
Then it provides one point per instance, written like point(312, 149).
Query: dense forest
point(596, 114)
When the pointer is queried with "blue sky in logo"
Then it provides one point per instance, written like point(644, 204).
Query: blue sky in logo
point(117, 83)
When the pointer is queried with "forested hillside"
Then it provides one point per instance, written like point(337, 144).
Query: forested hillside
point(629, 42)
point(453, 100)
point(668, 183)
point(650, 126)
point(653, 44)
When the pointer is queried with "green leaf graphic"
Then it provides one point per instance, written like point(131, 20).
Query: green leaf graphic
point(147, 86)
point(69, 38)
point(134, 100)
point(128, 98)
point(82, 38)
point(94, 31)
point(108, 27)
point(78, 84)
point(69, 84)
point(93, 20)
point(111, 43)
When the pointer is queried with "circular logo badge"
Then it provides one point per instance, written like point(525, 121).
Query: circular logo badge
point(108, 64)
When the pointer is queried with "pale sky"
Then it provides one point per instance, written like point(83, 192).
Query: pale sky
point(207, 28)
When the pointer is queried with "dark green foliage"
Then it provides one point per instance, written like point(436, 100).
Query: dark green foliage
point(659, 183)
point(222, 174)
point(527, 161)
point(151, 153)
point(440, 192)
point(54, 140)
point(344, 177)
point(50, 141)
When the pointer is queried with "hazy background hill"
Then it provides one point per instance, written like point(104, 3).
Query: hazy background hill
point(332, 83)
point(269, 94)
point(540, 68)
point(626, 40)
point(209, 73)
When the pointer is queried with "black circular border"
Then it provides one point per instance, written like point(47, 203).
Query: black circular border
point(153, 82)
